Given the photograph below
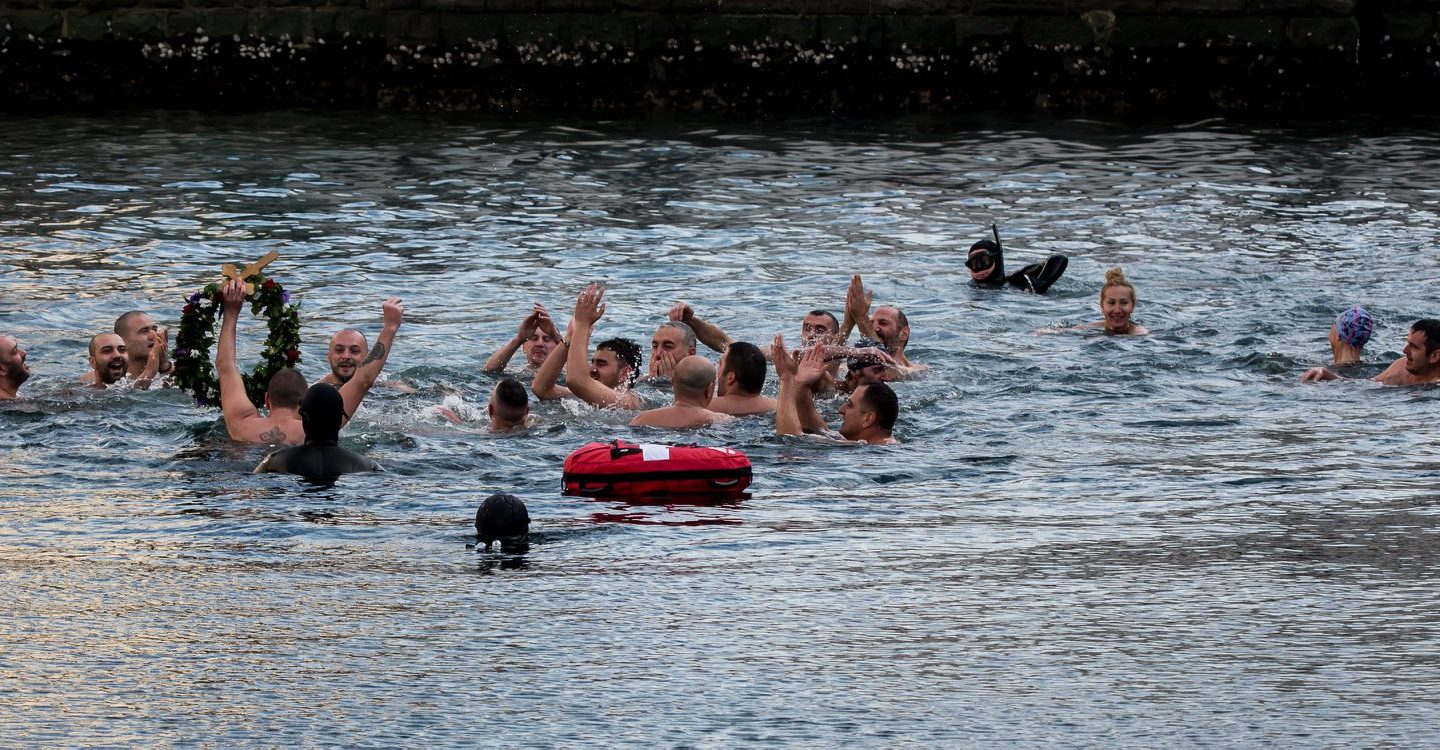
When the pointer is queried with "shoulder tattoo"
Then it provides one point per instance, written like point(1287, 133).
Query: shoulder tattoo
point(375, 353)
point(273, 435)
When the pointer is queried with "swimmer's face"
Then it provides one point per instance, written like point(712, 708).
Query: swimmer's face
point(607, 368)
point(982, 259)
point(886, 322)
point(854, 419)
point(12, 361)
point(1419, 359)
point(670, 341)
point(870, 374)
point(815, 329)
point(721, 388)
point(538, 347)
point(108, 358)
point(1117, 303)
point(139, 335)
point(346, 350)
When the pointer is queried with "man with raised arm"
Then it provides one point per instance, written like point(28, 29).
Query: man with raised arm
point(742, 376)
point(1419, 363)
point(818, 326)
point(867, 417)
point(672, 342)
point(604, 381)
point(14, 371)
point(888, 325)
point(537, 337)
point(287, 386)
point(148, 347)
point(693, 383)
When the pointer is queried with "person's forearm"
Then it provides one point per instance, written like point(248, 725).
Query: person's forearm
point(787, 419)
point(501, 359)
point(543, 386)
point(709, 334)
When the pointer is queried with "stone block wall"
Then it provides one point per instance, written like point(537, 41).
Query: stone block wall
point(761, 57)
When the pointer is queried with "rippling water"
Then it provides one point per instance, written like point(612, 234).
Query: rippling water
point(1083, 540)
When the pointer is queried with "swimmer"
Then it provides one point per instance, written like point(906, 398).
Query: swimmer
point(14, 370)
point(1419, 363)
point(986, 262)
point(505, 519)
point(868, 363)
point(693, 384)
point(741, 378)
point(818, 326)
point(1117, 303)
point(867, 417)
point(322, 411)
point(509, 407)
point(343, 356)
point(537, 337)
point(607, 379)
point(148, 346)
point(108, 360)
point(887, 324)
point(287, 387)
point(672, 342)
point(1349, 335)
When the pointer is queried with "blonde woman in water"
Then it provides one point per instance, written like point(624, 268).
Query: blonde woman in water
point(1117, 303)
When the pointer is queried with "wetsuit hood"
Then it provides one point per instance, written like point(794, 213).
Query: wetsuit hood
point(321, 412)
point(987, 254)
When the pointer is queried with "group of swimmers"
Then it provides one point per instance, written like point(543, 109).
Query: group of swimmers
point(309, 418)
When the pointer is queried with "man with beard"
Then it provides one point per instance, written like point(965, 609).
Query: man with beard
point(108, 360)
point(537, 337)
point(867, 417)
point(604, 381)
point(888, 325)
point(13, 369)
point(1418, 364)
point(347, 347)
point(144, 340)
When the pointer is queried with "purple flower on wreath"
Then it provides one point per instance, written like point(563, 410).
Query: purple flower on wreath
point(195, 298)
point(284, 298)
point(182, 353)
point(202, 400)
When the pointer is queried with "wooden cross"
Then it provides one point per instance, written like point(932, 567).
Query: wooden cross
point(230, 273)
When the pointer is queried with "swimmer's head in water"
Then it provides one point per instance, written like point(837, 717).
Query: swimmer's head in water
point(892, 327)
point(871, 408)
point(1117, 301)
point(286, 389)
point(108, 358)
point(1422, 347)
point(13, 366)
point(321, 413)
point(985, 262)
point(612, 357)
point(819, 326)
point(867, 364)
point(746, 362)
point(1354, 326)
point(509, 404)
point(347, 349)
point(503, 517)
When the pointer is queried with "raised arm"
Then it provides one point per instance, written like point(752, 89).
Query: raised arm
point(808, 374)
point(235, 403)
point(500, 359)
point(857, 311)
point(589, 306)
point(543, 386)
point(354, 390)
point(787, 417)
point(157, 360)
point(708, 333)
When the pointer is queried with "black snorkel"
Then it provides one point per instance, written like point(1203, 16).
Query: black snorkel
point(993, 258)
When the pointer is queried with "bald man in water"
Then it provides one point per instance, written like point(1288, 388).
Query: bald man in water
point(14, 371)
point(108, 360)
point(147, 345)
point(693, 384)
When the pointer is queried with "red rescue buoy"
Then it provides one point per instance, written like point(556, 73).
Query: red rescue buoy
point(657, 472)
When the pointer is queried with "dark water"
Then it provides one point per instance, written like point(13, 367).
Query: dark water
point(1083, 540)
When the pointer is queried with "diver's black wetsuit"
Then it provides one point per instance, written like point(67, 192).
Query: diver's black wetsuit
point(320, 457)
point(1036, 277)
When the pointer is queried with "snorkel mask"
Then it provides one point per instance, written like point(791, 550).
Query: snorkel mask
point(986, 261)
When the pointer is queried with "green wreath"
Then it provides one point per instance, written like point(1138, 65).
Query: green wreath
point(194, 371)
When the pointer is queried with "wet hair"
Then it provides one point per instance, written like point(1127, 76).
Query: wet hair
point(1431, 328)
point(833, 322)
point(1116, 277)
point(863, 359)
point(626, 350)
point(686, 331)
point(321, 413)
point(748, 363)
point(286, 389)
point(123, 322)
point(881, 399)
point(511, 393)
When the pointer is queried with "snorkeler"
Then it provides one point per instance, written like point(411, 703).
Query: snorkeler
point(1349, 335)
point(537, 337)
point(693, 384)
point(986, 262)
point(867, 417)
point(14, 371)
point(321, 457)
point(503, 518)
point(1418, 364)
point(607, 379)
point(145, 341)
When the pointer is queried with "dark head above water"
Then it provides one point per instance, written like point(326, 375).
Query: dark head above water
point(321, 412)
point(986, 263)
point(503, 517)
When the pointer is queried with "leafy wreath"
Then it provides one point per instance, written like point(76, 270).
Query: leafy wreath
point(194, 371)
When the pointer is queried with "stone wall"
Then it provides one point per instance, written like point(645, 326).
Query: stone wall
point(757, 57)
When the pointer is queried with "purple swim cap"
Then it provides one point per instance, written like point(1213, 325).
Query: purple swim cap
point(1354, 326)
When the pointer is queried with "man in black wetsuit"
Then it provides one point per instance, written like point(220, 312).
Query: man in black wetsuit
point(321, 413)
point(986, 262)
